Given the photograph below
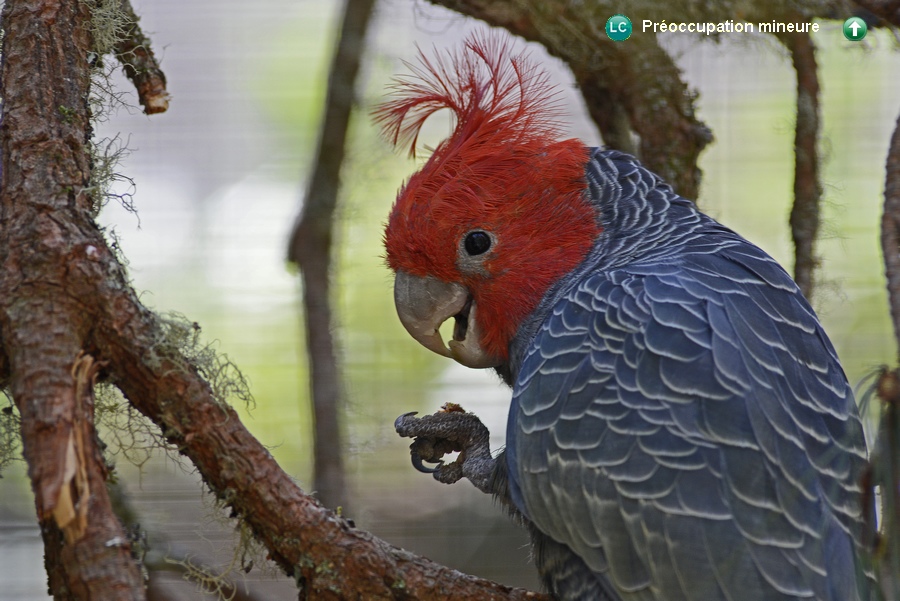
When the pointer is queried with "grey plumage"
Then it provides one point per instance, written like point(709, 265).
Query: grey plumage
point(681, 427)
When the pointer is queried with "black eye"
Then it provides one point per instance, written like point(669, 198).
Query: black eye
point(477, 242)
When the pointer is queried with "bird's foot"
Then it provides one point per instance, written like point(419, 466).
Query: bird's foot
point(450, 430)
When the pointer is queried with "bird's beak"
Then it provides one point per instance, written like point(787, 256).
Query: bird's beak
point(424, 303)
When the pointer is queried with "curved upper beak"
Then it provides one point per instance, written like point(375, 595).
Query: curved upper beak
point(424, 303)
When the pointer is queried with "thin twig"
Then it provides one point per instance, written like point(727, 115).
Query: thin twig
point(158, 554)
point(141, 66)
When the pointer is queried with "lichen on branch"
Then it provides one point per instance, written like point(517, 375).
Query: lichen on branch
point(115, 30)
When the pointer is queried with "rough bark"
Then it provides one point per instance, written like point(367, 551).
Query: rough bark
point(805, 214)
point(311, 246)
point(44, 308)
point(323, 552)
point(66, 309)
point(636, 79)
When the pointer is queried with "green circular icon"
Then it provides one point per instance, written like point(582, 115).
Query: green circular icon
point(618, 28)
point(855, 29)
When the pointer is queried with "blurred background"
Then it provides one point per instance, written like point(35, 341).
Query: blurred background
point(219, 179)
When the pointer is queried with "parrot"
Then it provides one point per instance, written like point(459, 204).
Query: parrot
point(680, 426)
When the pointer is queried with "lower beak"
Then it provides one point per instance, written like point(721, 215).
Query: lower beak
point(424, 303)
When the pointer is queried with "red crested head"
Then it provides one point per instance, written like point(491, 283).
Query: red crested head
point(499, 209)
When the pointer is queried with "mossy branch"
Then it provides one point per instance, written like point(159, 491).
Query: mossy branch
point(116, 30)
point(141, 67)
point(327, 556)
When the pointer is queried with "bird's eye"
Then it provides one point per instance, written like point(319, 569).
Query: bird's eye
point(477, 242)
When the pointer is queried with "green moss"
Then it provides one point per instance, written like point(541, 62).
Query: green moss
point(105, 156)
point(127, 433)
point(68, 114)
point(179, 340)
point(109, 24)
point(399, 585)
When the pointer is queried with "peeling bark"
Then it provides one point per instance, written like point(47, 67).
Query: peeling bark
point(44, 310)
point(66, 307)
point(63, 294)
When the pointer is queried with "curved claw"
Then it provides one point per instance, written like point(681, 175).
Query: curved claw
point(420, 466)
point(397, 421)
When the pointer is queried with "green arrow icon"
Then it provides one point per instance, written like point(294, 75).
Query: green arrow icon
point(855, 29)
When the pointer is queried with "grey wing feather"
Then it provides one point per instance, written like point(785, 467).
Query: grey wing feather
point(683, 427)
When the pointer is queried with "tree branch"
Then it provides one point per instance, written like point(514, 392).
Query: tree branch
point(4, 365)
point(44, 311)
point(884, 467)
point(805, 214)
point(890, 230)
point(639, 81)
point(160, 555)
point(62, 291)
point(311, 247)
point(327, 556)
point(889, 10)
point(140, 65)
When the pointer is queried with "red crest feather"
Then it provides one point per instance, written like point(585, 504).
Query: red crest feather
point(491, 93)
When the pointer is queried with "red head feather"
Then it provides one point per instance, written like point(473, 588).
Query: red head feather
point(502, 170)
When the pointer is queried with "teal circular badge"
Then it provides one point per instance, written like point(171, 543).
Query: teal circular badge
point(855, 29)
point(618, 28)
